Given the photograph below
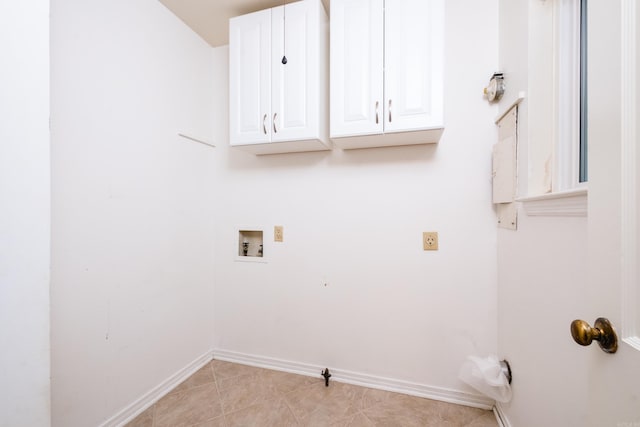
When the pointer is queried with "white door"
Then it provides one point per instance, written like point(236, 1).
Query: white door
point(294, 103)
point(613, 379)
point(356, 67)
point(250, 78)
point(414, 32)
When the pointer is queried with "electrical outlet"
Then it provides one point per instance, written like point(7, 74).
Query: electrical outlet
point(278, 233)
point(430, 241)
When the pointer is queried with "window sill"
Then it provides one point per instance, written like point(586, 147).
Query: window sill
point(563, 203)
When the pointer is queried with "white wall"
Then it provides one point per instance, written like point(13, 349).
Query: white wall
point(133, 212)
point(25, 214)
point(355, 220)
point(541, 266)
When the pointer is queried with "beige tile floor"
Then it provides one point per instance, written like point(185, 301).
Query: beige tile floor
point(224, 394)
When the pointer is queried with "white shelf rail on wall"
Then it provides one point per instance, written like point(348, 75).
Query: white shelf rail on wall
point(191, 138)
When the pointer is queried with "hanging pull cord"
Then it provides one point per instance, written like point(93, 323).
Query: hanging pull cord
point(284, 32)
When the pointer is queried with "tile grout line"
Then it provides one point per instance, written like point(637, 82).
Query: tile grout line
point(279, 395)
point(316, 409)
point(153, 415)
point(286, 402)
point(364, 407)
point(368, 419)
point(215, 381)
point(219, 402)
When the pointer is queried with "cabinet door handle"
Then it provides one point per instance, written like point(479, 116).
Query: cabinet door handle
point(264, 124)
point(377, 103)
point(389, 111)
point(275, 129)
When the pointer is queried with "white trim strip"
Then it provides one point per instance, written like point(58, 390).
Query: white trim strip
point(501, 416)
point(196, 140)
point(628, 178)
point(634, 342)
point(562, 203)
point(131, 411)
point(355, 378)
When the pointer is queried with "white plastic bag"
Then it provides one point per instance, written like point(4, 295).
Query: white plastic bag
point(486, 376)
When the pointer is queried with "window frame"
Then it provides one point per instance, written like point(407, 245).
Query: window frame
point(570, 136)
point(553, 160)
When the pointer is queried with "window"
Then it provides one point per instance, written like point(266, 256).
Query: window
point(557, 109)
point(584, 166)
point(571, 137)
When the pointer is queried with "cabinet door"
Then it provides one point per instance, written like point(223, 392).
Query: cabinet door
point(294, 86)
point(356, 67)
point(250, 78)
point(413, 64)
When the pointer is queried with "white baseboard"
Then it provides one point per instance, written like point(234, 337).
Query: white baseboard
point(365, 380)
point(128, 413)
point(501, 416)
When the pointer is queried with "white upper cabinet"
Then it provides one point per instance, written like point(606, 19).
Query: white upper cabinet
point(356, 67)
point(250, 78)
point(276, 107)
point(413, 64)
point(386, 72)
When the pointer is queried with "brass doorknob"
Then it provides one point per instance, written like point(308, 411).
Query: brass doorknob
point(602, 332)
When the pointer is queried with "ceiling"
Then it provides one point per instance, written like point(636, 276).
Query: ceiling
point(210, 18)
